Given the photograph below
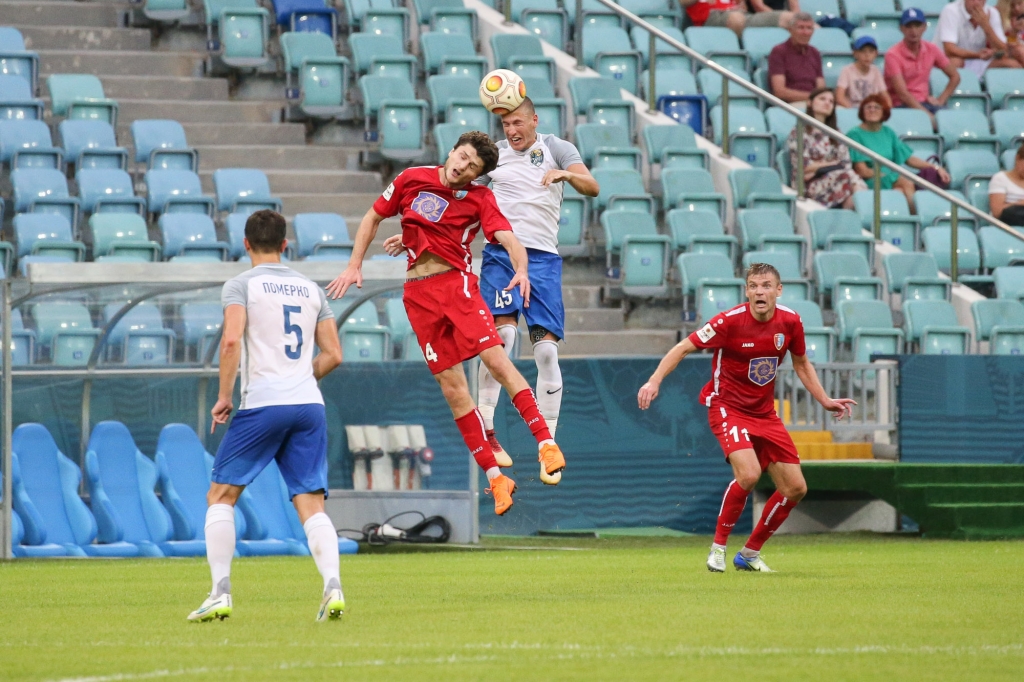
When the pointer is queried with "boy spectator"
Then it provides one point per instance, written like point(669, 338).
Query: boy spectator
point(862, 78)
point(737, 15)
point(794, 67)
point(971, 34)
point(909, 63)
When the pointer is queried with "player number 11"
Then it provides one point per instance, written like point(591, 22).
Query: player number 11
point(735, 433)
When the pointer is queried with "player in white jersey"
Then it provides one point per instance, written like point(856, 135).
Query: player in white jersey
point(272, 318)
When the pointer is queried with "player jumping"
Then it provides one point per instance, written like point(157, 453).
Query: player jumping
point(271, 313)
point(750, 341)
point(441, 213)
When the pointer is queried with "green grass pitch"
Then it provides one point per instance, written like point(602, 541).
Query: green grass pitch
point(840, 608)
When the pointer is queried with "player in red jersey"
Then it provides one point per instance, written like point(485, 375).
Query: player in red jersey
point(441, 213)
point(750, 341)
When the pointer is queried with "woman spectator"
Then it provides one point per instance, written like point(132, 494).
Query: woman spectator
point(881, 139)
point(828, 173)
point(1006, 192)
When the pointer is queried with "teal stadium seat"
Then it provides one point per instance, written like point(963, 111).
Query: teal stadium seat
point(400, 119)
point(969, 166)
point(573, 219)
point(198, 326)
point(937, 242)
point(844, 276)
point(832, 63)
point(666, 57)
point(544, 19)
point(700, 231)
point(823, 8)
point(760, 188)
point(1005, 87)
point(749, 139)
point(378, 55)
point(446, 16)
point(968, 95)
point(840, 230)
point(967, 130)
point(934, 210)
point(1000, 322)
point(23, 341)
point(1009, 282)
point(1008, 126)
point(243, 30)
point(914, 127)
point(455, 54)
point(819, 340)
point(669, 83)
point(643, 253)
point(691, 189)
point(933, 327)
point(898, 226)
point(138, 337)
point(915, 276)
point(765, 229)
point(606, 146)
point(78, 96)
point(719, 44)
point(191, 234)
point(176, 191)
point(780, 124)
point(866, 326)
point(363, 338)
point(243, 187)
point(608, 50)
point(759, 41)
point(710, 84)
point(312, 65)
point(794, 286)
point(398, 322)
point(167, 11)
point(600, 100)
point(161, 144)
point(674, 146)
point(66, 330)
point(711, 283)
point(524, 55)
point(622, 188)
point(443, 90)
point(998, 248)
point(445, 137)
point(321, 236)
point(122, 234)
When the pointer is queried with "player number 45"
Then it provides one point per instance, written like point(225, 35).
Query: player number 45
point(502, 298)
point(735, 433)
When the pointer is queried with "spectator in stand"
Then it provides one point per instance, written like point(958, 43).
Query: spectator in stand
point(828, 171)
point(1006, 192)
point(971, 34)
point(794, 67)
point(881, 139)
point(862, 78)
point(740, 14)
point(1015, 31)
point(909, 63)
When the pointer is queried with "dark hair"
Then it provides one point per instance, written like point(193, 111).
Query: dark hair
point(1020, 149)
point(830, 120)
point(762, 269)
point(485, 149)
point(266, 231)
point(527, 107)
point(875, 99)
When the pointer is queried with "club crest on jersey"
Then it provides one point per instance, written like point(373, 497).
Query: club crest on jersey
point(537, 157)
point(762, 371)
point(430, 206)
point(461, 193)
point(779, 340)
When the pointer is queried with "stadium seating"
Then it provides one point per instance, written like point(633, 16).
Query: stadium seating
point(966, 130)
point(103, 190)
point(700, 231)
point(243, 30)
point(819, 340)
point(321, 76)
point(666, 57)
point(866, 326)
point(759, 188)
point(606, 146)
point(27, 144)
point(452, 54)
point(937, 242)
point(898, 226)
point(622, 188)
point(44, 190)
point(190, 234)
point(161, 144)
point(243, 188)
point(710, 84)
point(389, 105)
point(15, 60)
point(167, 11)
point(47, 495)
point(381, 56)
point(91, 144)
point(967, 96)
point(524, 55)
point(16, 100)
point(80, 96)
point(844, 276)
point(138, 337)
point(306, 16)
point(765, 229)
point(174, 191)
point(322, 236)
point(643, 253)
point(1001, 323)
point(710, 281)
point(674, 146)
point(999, 248)
point(122, 234)
point(46, 234)
point(544, 19)
point(1005, 87)
point(933, 327)
point(29, 539)
point(1009, 282)
point(363, 338)
point(691, 189)
point(914, 127)
point(66, 330)
point(444, 90)
point(967, 166)
point(600, 100)
point(608, 50)
point(719, 44)
point(915, 276)
point(840, 230)
point(23, 341)
point(749, 138)
point(198, 327)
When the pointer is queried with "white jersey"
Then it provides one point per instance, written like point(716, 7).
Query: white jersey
point(282, 310)
point(531, 208)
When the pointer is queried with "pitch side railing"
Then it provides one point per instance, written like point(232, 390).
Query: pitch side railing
point(872, 385)
point(655, 33)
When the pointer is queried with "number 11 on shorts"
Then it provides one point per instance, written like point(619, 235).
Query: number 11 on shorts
point(735, 433)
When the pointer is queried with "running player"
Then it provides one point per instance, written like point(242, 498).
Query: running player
point(271, 313)
point(527, 186)
point(441, 213)
point(750, 341)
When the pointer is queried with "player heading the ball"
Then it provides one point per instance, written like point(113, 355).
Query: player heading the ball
point(441, 212)
point(750, 341)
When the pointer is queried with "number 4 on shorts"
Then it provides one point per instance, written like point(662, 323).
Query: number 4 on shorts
point(429, 354)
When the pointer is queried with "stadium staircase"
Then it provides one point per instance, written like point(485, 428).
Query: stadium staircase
point(961, 501)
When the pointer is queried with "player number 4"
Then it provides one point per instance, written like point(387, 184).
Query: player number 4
point(429, 354)
point(289, 328)
point(735, 433)
point(502, 299)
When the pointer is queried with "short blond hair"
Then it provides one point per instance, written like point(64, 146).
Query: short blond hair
point(762, 269)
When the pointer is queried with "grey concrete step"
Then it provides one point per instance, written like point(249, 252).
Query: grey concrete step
point(296, 181)
point(580, 296)
point(200, 134)
point(653, 342)
point(355, 204)
point(306, 157)
point(84, 38)
point(59, 14)
point(121, 63)
point(594, 319)
point(199, 112)
point(165, 88)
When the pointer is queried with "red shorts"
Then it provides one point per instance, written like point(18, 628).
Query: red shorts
point(451, 320)
point(766, 435)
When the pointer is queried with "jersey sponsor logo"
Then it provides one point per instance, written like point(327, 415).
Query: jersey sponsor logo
point(748, 345)
point(779, 340)
point(430, 206)
point(762, 371)
point(389, 191)
point(461, 194)
point(537, 157)
point(706, 333)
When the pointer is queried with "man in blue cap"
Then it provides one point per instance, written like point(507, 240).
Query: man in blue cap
point(909, 63)
point(862, 78)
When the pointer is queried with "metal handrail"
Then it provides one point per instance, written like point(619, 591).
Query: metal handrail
point(956, 202)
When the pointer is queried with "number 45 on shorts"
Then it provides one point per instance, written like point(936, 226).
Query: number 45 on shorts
point(502, 298)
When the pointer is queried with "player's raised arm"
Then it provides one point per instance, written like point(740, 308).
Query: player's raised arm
point(809, 378)
point(353, 274)
point(520, 260)
point(649, 391)
point(230, 355)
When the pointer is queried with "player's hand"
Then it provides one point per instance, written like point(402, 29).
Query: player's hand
point(648, 392)
point(555, 175)
point(522, 281)
point(840, 407)
point(393, 245)
point(220, 412)
point(351, 275)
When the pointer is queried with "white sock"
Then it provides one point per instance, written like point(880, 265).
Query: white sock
point(750, 553)
point(489, 390)
point(549, 382)
point(493, 473)
point(220, 546)
point(323, 545)
point(715, 545)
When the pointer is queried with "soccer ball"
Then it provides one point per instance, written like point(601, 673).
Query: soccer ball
point(502, 91)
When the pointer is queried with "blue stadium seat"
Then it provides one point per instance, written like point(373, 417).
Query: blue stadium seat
point(15, 60)
point(27, 144)
point(710, 280)
point(999, 248)
point(1001, 323)
point(522, 54)
point(139, 337)
point(867, 327)
point(1009, 282)
point(46, 234)
point(16, 99)
point(306, 16)
point(608, 50)
point(622, 188)
point(321, 76)
point(606, 146)
point(700, 231)
point(933, 326)
point(765, 229)
point(674, 146)
point(719, 44)
point(898, 226)
point(121, 483)
point(161, 144)
point(108, 190)
point(643, 253)
point(915, 276)
point(840, 230)
point(49, 482)
point(749, 139)
point(451, 53)
point(381, 56)
point(844, 277)
point(190, 234)
point(80, 96)
point(691, 189)
point(66, 329)
point(91, 144)
point(322, 236)
point(243, 30)
point(28, 538)
point(760, 188)
point(243, 187)
point(176, 191)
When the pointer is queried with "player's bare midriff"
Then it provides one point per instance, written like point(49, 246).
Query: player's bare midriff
point(428, 264)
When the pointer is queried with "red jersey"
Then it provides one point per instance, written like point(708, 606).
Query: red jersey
point(440, 219)
point(747, 357)
point(700, 10)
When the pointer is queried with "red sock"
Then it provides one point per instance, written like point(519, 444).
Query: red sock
point(733, 501)
point(775, 512)
point(526, 403)
point(471, 425)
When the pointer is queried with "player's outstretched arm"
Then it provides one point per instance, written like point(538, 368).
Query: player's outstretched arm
point(840, 407)
point(520, 261)
point(649, 391)
point(577, 175)
point(353, 274)
point(230, 355)
point(330, 348)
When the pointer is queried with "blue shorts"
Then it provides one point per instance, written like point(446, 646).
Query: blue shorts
point(546, 309)
point(294, 435)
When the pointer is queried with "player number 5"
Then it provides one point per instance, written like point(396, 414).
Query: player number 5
point(502, 299)
point(289, 328)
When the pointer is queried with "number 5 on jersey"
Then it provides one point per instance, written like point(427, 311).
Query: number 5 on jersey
point(289, 328)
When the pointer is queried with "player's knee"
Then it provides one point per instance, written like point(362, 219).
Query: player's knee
point(222, 495)
point(748, 479)
point(795, 492)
